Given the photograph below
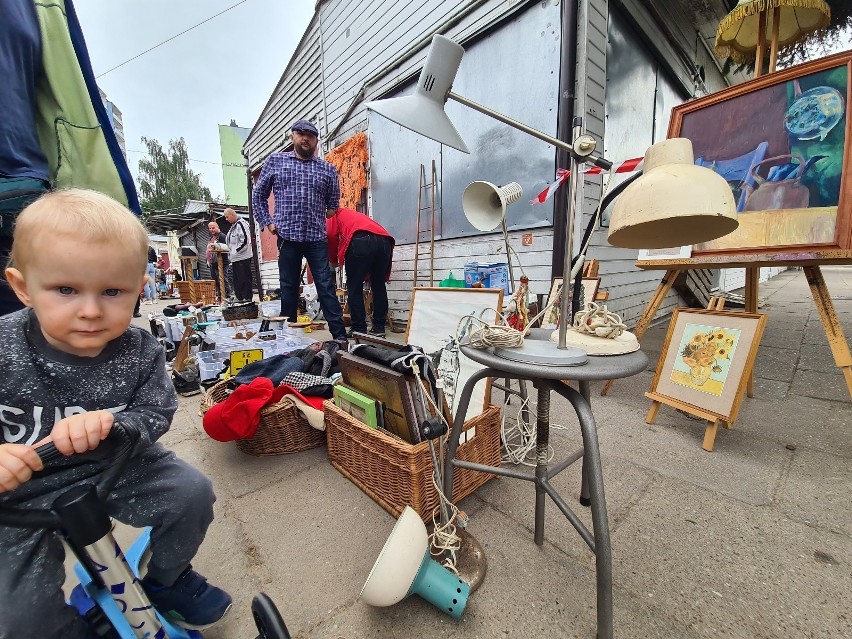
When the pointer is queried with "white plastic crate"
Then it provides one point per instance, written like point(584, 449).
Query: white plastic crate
point(270, 309)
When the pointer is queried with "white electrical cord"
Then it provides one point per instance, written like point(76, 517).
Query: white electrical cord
point(501, 334)
point(443, 541)
point(519, 439)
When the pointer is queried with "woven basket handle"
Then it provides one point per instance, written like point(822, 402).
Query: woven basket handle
point(794, 156)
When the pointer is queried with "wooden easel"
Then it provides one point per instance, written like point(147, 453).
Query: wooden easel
point(822, 300)
point(183, 350)
point(186, 262)
point(220, 260)
point(713, 420)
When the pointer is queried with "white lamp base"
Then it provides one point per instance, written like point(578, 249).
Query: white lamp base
point(594, 345)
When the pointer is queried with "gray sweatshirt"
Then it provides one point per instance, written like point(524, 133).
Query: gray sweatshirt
point(39, 385)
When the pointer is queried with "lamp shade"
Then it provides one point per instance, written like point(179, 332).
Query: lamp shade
point(484, 204)
point(738, 33)
point(673, 203)
point(405, 568)
point(423, 111)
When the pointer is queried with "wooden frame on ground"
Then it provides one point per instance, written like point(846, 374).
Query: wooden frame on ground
point(433, 323)
point(705, 364)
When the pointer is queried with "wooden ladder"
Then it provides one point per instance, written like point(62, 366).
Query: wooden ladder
point(425, 192)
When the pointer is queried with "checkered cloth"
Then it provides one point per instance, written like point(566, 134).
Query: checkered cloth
point(303, 381)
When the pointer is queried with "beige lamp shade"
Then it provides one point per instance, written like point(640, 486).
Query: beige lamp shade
point(738, 33)
point(674, 202)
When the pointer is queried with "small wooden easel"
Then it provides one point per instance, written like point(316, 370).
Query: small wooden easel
point(713, 420)
point(188, 275)
point(220, 261)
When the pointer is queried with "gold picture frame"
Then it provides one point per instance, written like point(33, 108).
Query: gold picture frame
point(705, 364)
point(782, 142)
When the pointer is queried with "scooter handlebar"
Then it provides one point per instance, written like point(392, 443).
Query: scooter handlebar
point(119, 443)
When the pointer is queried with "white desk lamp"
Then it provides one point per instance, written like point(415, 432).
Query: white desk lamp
point(641, 218)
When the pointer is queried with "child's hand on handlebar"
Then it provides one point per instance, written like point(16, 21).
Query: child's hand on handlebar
point(82, 432)
point(17, 464)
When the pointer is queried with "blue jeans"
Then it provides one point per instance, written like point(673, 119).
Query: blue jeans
point(290, 256)
point(150, 291)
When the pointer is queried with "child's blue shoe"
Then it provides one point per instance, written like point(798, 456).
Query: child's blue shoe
point(190, 602)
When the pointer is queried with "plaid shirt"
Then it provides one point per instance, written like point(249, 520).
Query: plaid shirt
point(304, 190)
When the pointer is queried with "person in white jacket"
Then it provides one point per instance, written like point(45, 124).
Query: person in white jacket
point(238, 239)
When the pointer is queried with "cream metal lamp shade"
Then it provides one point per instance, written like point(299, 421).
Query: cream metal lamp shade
point(404, 567)
point(423, 112)
point(674, 202)
point(738, 34)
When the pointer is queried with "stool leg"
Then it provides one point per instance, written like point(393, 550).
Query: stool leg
point(584, 477)
point(600, 521)
point(542, 427)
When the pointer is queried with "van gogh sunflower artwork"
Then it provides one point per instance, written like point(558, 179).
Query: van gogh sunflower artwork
point(704, 357)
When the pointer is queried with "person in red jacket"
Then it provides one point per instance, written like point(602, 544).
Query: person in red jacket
point(365, 249)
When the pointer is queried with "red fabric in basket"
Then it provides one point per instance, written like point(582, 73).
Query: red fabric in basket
point(239, 415)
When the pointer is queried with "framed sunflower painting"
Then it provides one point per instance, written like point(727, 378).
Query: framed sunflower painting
point(706, 361)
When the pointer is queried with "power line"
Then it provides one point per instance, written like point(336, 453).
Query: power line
point(169, 40)
point(192, 159)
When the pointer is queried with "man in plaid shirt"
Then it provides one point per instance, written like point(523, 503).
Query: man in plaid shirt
point(306, 191)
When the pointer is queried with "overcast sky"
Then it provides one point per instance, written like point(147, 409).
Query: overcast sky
point(224, 69)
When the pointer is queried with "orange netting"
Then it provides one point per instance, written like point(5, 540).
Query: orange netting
point(350, 160)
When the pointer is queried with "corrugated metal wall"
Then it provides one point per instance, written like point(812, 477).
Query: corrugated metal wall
point(367, 49)
point(298, 95)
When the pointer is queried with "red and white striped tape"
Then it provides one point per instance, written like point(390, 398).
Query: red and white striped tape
point(628, 166)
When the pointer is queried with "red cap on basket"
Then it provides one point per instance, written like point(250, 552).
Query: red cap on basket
point(238, 416)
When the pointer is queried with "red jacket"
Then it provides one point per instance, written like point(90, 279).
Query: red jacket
point(342, 226)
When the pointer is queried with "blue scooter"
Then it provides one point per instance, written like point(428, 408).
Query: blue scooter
point(110, 596)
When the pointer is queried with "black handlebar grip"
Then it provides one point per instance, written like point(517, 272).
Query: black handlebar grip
point(47, 453)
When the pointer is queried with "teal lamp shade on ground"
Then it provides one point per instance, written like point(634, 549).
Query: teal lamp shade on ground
point(404, 567)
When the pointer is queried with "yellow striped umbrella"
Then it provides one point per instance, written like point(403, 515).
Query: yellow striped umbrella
point(742, 33)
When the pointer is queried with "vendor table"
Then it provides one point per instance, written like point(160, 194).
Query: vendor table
point(546, 379)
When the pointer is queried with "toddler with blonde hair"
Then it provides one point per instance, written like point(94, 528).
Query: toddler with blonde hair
point(73, 368)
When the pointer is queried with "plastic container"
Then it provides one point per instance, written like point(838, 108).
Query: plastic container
point(494, 275)
point(270, 309)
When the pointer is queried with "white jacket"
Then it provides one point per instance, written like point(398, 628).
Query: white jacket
point(239, 241)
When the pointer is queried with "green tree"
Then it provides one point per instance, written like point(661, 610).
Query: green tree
point(165, 179)
point(821, 42)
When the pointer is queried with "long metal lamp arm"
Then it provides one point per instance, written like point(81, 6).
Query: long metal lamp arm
point(601, 162)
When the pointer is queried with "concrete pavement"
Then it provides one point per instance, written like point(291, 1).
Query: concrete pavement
point(751, 541)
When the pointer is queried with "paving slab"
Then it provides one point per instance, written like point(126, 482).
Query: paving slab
point(742, 467)
point(799, 422)
point(317, 535)
point(820, 385)
point(725, 569)
point(776, 363)
point(816, 491)
point(529, 591)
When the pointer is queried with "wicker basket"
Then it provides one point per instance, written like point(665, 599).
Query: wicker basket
point(395, 473)
point(205, 291)
point(239, 312)
point(282, 429)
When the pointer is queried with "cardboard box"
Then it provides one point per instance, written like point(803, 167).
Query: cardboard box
point(495, 275)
